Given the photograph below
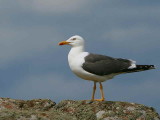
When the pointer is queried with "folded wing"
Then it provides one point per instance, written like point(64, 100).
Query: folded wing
point(105, 65)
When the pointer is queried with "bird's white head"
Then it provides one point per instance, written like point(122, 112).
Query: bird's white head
point(73, 41)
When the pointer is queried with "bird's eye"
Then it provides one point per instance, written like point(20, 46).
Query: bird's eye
point(74, 39)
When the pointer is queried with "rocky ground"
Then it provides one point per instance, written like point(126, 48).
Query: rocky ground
point(44, 109)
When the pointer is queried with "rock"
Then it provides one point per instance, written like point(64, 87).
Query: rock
point(45, 109)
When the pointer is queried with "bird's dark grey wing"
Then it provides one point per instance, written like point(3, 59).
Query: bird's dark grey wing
point(104, 65)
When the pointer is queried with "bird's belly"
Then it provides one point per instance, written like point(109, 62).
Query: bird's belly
point(83, 74)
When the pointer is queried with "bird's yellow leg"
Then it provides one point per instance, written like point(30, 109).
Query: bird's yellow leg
point(102, 93)
point(93, 93)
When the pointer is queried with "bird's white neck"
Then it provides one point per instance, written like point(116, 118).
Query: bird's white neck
point(76, 50)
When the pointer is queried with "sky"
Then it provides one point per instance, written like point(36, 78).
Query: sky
point(33, 66)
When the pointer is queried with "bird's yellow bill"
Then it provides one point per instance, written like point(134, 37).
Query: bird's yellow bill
point(63, 43)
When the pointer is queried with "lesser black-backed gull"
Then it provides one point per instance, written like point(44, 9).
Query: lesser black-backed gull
point(95, 67)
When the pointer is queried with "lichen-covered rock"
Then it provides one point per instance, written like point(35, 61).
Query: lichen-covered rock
point(44, 109)
point(37, 104)
point(107, 110)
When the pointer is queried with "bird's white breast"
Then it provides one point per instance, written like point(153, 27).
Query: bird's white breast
point(76, 62)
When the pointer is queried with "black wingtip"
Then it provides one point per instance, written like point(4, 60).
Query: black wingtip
point(148, 67)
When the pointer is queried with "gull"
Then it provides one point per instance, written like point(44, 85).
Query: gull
point(95, 67)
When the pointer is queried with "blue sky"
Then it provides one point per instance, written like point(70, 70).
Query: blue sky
point(32, 65)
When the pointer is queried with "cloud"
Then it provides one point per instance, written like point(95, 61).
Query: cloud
point(54, 6)
point(19, 43)
point(137, 36)
point(133, 31)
